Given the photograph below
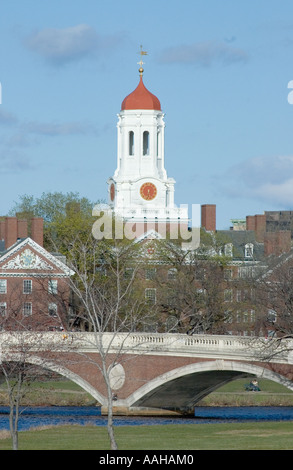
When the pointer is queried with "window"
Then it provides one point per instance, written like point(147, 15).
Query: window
point(227, 274)
point(228, 295)
point(3, 308)
point(238, 295)
point(150, 273)
point(3, 286)
point(248, 250)
point(131, 143)
point(52, 286)
point(150, 295)
point(27, 309)
point(146, 143)
point(128, 273)
point(158, 143)
point(228, 249)
point(52, 309)
point(172, 273)
point(27, 286)
point(228, 316)
point(272, 316)
point(246, 272)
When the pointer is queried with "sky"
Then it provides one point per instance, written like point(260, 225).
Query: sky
point(221, 70)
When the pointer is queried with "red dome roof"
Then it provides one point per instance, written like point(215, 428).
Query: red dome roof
point(141, 98)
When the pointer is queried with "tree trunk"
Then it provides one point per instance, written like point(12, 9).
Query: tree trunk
point(110, 427)
point(13, 425)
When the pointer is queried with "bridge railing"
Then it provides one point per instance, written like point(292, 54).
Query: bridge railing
point(209, 346)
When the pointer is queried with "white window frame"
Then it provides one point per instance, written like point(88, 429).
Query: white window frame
point(53, 286)
point(3, 286)
point(228, 250)
point(150, 273)
point(27, 309)
point(3, 309)
point(27, 286)
point(151, 295)
point(172, 274)
point(52, 307)
point(248, 250)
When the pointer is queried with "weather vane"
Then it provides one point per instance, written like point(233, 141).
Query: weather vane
point(142, 53)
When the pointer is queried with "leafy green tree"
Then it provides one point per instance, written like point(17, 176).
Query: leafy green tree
point(66, 216)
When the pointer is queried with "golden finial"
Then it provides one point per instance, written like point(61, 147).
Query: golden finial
point(141, 62)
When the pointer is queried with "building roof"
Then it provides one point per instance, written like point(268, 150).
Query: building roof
point(141, 98)
point(239, 239)
point(29, 257)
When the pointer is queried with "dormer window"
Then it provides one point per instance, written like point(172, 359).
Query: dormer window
point(228, 250)
point(248, 250)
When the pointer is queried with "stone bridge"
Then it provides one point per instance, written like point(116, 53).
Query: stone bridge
point(151, 370)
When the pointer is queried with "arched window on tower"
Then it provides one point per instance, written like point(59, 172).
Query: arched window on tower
point(158, 143)
point(131, 143)
point(146, 137)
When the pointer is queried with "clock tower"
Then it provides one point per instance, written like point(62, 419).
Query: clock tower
point(140, 190)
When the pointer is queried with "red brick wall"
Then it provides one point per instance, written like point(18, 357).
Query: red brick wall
point(208, 217)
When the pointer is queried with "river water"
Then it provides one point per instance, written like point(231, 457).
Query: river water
point(55, 415)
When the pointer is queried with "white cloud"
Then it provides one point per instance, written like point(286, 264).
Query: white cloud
point(57, 129)
point(59, 46)
point(267, 179)
point(14, 162)
point(204, 54)
point(7, 118)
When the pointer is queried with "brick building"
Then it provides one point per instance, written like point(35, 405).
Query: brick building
point(34, 287)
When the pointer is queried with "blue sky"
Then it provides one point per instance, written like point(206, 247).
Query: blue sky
point(221, 70)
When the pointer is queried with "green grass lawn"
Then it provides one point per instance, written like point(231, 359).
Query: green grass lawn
point(219, 436)
point(208, 436)
point(67, 393)
point(234, 394)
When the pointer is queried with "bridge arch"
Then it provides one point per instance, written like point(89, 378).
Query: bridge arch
point(59, 369)
point(189, 384)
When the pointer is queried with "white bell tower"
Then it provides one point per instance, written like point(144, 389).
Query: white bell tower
point(140, 190)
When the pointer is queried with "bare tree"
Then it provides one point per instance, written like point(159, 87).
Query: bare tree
point(108, 297)
point(274, 290)
point(192, 287)
point(25, 319)
point(18, 352)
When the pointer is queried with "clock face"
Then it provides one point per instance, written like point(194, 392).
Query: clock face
point(112, 192)
point(148, 191)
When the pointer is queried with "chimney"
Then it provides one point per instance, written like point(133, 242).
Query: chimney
point(260, 227)
point(22, 229)
point(208, 217)
point(257, 223)
point(10, 231)
point(2, 229)
point(277, 242)
point(37, 230)
point(250, 222)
